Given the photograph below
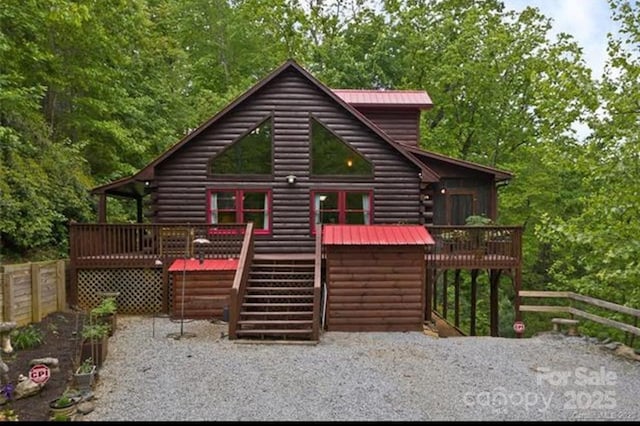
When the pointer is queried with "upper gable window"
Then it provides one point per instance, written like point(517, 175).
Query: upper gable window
point(249, 155)
point(332, 156)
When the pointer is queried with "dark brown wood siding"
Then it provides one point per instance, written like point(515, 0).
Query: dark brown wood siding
point(182, 181)
point(204, 292)
point(375, 288)
point(402, 125)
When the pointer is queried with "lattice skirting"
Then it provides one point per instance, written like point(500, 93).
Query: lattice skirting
point(140, 289)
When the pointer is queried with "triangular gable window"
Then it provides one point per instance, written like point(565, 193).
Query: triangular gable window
point(332, 156)
point(249, 155)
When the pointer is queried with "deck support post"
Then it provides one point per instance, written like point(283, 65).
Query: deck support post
point(494, 279)
point(102, 208)
point(456, 298)
point(430, 273)
point(474, 298)
point(444, 294)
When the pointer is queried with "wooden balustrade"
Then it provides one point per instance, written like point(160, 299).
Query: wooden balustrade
point(141, 245)
point(475, 246)
point(240, 281)
point(317, 284)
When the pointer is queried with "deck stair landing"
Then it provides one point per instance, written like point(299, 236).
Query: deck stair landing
point(278, 302)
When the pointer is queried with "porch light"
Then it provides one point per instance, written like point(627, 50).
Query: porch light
point(349, 162)
point(291, 179)
point(443, 191)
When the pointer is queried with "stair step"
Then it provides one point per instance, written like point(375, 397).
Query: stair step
point(282, 265)
point(277, 296)
point(257, 331)
point(275, 322)
point(277, 313)
point(281, 280)
point(283, 289)
point(254, 272)
point(277, 305)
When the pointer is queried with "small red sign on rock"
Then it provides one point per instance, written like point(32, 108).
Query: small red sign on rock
point(518, 327)
point(39, 373)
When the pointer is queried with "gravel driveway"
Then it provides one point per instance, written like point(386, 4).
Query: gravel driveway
point(358, 376)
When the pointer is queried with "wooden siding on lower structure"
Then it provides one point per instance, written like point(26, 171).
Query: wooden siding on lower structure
point(375, 288)
point(31, 291)
point(206, 293)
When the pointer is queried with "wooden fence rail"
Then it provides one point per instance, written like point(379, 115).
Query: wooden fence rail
point(568, 295)
point(31, 291)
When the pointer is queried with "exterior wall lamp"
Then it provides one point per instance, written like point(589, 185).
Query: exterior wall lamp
point(291, 179)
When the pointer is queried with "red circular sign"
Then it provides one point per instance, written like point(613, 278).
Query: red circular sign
point(518, 326)
point(39, 373)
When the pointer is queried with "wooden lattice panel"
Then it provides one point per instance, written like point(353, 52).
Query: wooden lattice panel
point(140, 289)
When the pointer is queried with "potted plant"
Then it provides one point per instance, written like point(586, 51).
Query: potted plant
point(94, 342)
point(105, 312)
point(84, 376)
point(64, 405)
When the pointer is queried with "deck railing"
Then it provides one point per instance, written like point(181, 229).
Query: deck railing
point(133, 245)
point(478, 245)
point(570, 296)
point(317, 285)
point(240, 281)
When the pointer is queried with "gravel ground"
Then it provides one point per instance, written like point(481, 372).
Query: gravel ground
point(358, 376)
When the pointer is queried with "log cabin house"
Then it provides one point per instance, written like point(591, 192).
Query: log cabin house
point(257, 183)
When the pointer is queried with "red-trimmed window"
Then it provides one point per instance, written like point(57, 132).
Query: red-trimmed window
point(343, 207)
point(241, 206)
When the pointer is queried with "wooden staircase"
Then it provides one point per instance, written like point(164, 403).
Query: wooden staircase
point(279, 299)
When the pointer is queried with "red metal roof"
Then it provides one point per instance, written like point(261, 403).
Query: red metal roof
point(369, 235)
point(388, 98)
point(206, 265)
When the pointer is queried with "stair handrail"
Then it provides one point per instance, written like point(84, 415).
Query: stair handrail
point(317, 285)
point(240, 280)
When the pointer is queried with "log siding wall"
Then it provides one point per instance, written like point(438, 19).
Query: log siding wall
point(402, 125)
point(182, 180)
point(375, 288)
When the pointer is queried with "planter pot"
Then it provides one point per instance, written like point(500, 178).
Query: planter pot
point(84, 381)
point(95, 349)
point(66, 410)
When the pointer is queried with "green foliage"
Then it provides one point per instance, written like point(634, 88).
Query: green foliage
point(107, 306)
point(86, 367)
point(95, 331)
point(26, 337)
point(63, 401)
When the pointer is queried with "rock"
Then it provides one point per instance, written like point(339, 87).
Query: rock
point(594, 340)
point(612, 346)
point(627, 352)
point(85, 407)
point(27, 388)
point(52, 363)
point(607, 340)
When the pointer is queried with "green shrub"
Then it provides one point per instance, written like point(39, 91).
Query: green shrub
point(26, 337)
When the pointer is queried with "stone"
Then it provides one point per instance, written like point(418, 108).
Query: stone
point(612, 346)
point(27, 388)
point(627, 352)
point(607, 340)
point(85, 407)
point(52, 363)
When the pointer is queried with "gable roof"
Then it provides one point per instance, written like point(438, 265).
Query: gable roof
point(499, 175)
point(418, 99)
point(132, 185)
